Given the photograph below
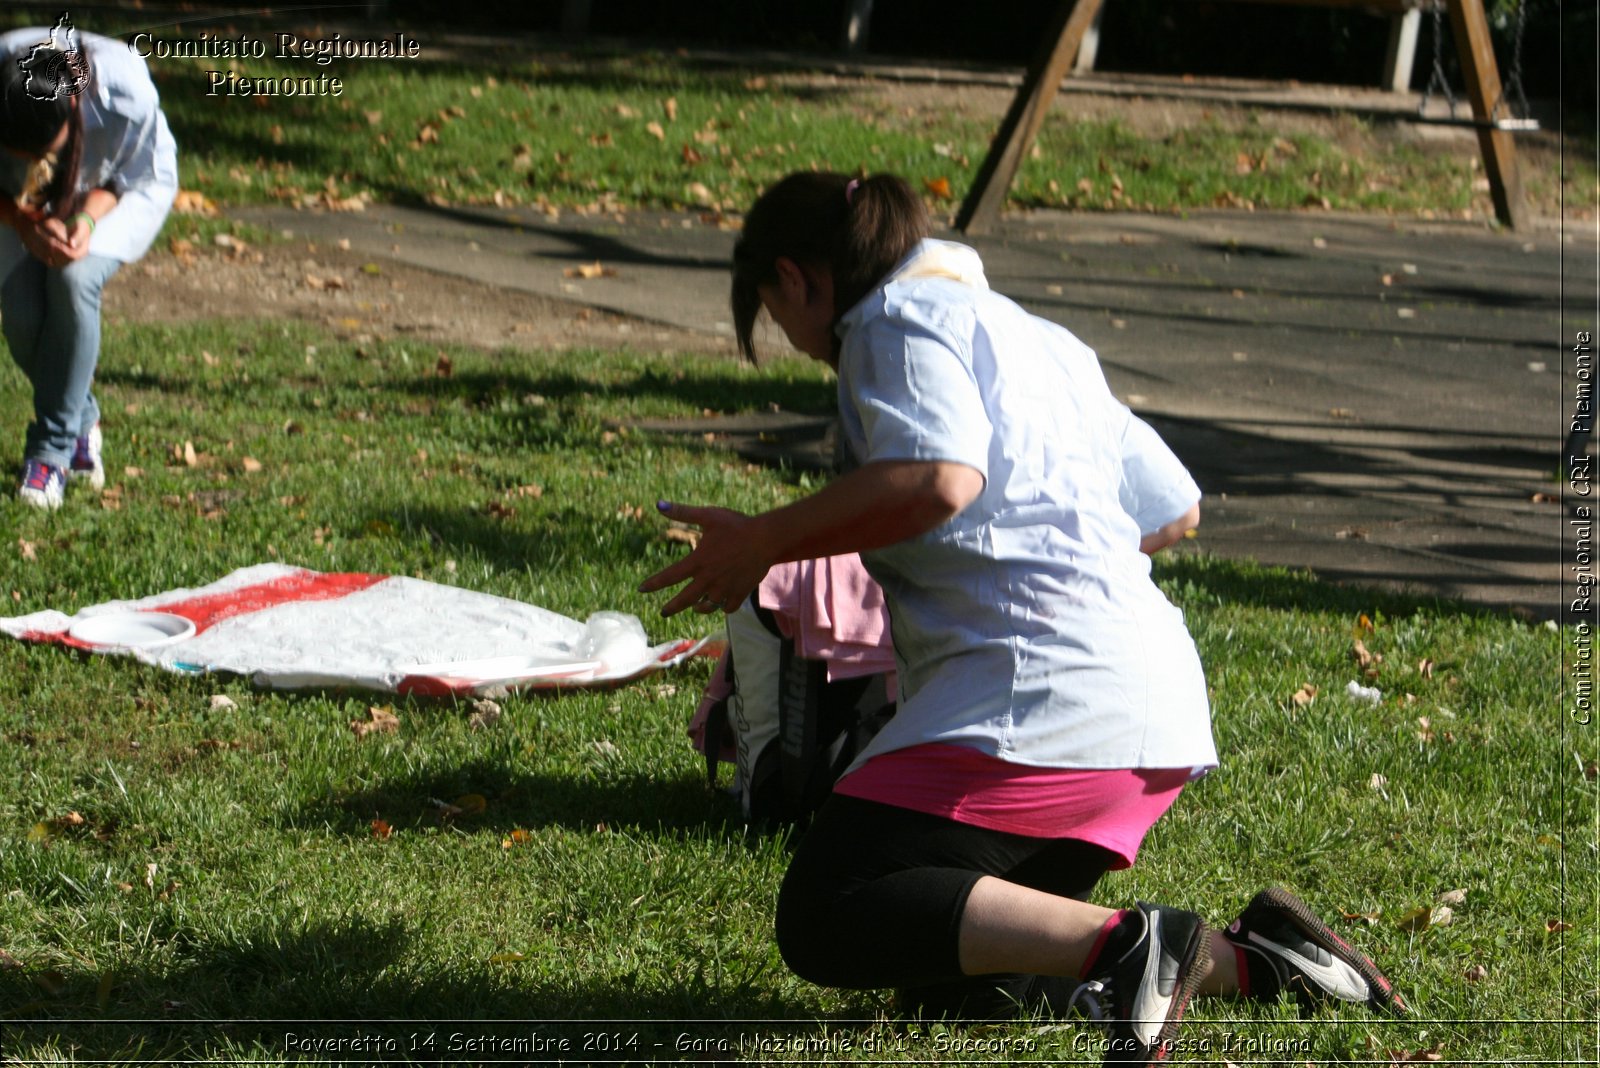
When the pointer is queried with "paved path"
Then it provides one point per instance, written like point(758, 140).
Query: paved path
point(1382, 402)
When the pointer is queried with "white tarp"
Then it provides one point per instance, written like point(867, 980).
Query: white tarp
point(290, 628)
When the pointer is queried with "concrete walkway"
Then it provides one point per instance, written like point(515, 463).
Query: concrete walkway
point(1383, 402)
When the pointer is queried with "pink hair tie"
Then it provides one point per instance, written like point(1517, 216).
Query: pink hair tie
point(850, 190)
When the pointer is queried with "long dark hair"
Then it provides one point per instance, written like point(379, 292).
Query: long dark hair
point(857, 229)
point(36, 101)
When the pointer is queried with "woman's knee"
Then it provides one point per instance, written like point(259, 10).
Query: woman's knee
point(82, 281)
point(807, 940)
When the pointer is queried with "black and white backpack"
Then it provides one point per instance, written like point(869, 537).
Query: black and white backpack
point(792, 732)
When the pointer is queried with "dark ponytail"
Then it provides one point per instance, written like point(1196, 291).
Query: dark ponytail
point(857, 229)
point(38, 96)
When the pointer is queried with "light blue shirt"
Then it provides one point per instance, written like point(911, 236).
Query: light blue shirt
point(127, 148)
point(1027, 626)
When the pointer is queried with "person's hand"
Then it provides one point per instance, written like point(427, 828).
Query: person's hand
point(79, 231)
point(728, 563)
point(46, 240)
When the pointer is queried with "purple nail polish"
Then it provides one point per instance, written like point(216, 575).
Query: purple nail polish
point(663, 506)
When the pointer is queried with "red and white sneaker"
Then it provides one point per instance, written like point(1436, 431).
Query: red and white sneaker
point(87, 463)
point(43, 485)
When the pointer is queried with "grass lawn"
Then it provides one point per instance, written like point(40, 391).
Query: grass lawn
point(173, 864)
point(601, 132)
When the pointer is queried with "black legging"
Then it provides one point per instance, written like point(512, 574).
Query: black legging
point(874, 898)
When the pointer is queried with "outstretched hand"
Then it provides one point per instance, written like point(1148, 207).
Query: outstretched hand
point(723, 568)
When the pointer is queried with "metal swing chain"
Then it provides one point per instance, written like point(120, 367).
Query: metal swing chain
point(1518, 102)
point(1438, 79)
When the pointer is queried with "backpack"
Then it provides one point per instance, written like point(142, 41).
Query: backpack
point(791, 731)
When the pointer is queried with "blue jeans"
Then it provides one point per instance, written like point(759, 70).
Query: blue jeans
point(51, 320)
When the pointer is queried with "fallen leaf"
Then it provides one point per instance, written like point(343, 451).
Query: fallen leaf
point(444, 367)
point(1304, 695)
point(590, 270)
point(1417, 1056)
point(150, 875)
point(471, 804)
point(1452, 897)
point(1476, 974)
point(516, 838)
point(1425, 668)
point(1363, 657)
point(190, 202)
point(507, 958)
point(684, 534)
point(1363, 625)
point(670, 106)
point(1425, 916)
point(381, 829)
point(379, 720)
point(1364, 917)
point(250, 464)
point(28, 549)
point(1557, 926)
point(939, 187)
point(654, 129)
point(221, 702)
point(187, 454)
point(484, 715)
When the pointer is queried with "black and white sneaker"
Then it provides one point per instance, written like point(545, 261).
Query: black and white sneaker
point(1150, 985)
point(1289, 949)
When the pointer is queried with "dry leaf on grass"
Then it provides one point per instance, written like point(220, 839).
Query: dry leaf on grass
point(1557, 926)
point(381, 829)
point(484, 714)
point(1304, 695)
point(190, 202)
point(686, 535)
point(1425, 916)
point(516, 838)
point(378, 721)
point(1476, 974)
point(1452, 897)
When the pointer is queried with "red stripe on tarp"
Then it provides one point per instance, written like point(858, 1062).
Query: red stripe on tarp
point(213, 608)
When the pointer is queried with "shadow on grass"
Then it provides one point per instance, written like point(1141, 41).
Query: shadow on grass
point(513, 799)
point(1193, 579)
point(295, 991)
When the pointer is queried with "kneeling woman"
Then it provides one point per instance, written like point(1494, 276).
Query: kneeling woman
point(87, 177)
point(1052, 703)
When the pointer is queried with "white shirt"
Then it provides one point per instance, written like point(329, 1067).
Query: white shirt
point(1027, 626)
point(127, 148)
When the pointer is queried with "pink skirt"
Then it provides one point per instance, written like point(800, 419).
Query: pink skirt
point(1113, 809)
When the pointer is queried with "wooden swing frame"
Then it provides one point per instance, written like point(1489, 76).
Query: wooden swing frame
point(1076, 18)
